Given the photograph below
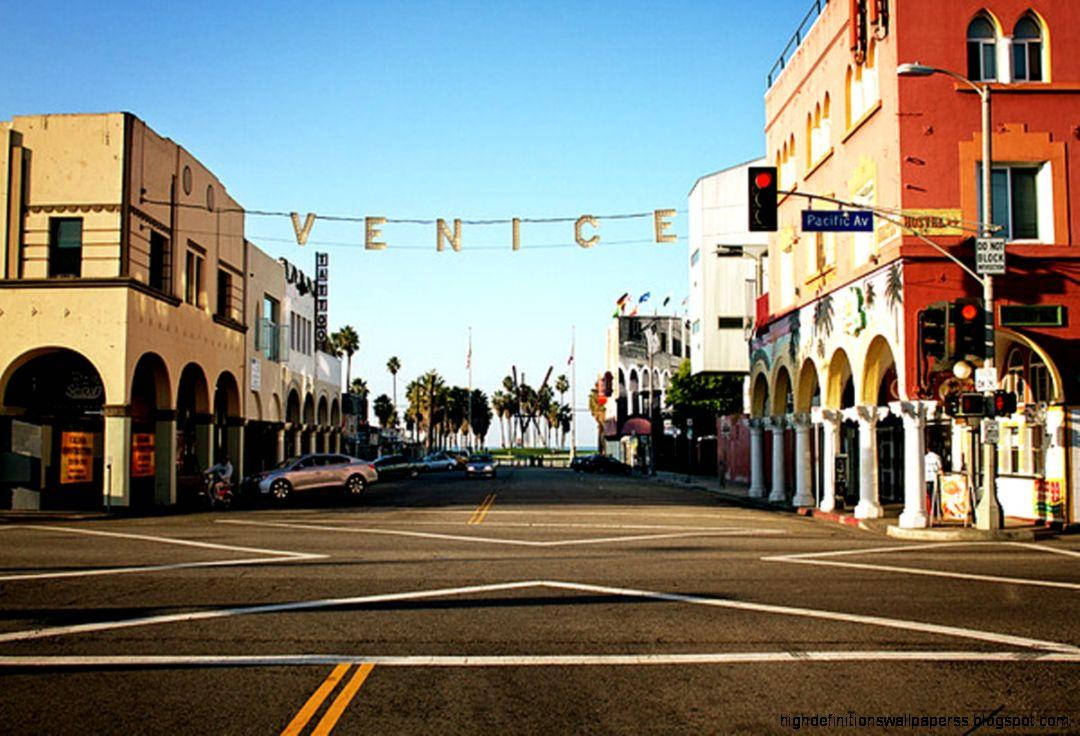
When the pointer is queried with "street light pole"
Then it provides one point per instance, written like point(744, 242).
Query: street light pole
point(988, 514)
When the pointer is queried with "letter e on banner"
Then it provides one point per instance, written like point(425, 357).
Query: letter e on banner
point(372, 231)
point(660, 220)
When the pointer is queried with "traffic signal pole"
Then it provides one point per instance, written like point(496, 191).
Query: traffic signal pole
point(988, 515)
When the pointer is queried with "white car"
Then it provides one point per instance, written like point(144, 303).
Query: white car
point(439, 461)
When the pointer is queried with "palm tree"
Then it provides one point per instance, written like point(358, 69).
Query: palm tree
point(359, 387)
point(384, 410)
point(347, 341)
point(562, 386)
point(394, 365)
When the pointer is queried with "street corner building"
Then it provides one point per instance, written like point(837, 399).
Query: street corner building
point(142, 337)
point(863, 340)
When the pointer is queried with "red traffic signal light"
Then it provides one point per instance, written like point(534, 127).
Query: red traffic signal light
point(763, 198)
point(1004, 403)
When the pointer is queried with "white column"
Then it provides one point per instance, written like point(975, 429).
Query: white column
point(117, 441)
point(868, 506)
point(777, 495)
point(297, 435)
point(279, 455)
point(829, 420)
point(757, 459)
point(804, 491)
point(913, 414)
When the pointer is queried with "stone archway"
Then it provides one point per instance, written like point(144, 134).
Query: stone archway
point(153, 435)
point(228, 436)
point(193, 431)
point(54, 429)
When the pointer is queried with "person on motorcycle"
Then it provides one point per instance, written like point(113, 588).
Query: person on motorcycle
point(223, 470)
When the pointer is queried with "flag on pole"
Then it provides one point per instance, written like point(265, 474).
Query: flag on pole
point(685, 299)
point(634, 313)
point(571, 358)
point(666, 300)
point(468, 355)
point(644, 297)
point(622, 299)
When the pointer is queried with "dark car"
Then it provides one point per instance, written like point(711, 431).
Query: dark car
point(601, 464)
point(481, 464)
point(395, 466)
point(314, 471)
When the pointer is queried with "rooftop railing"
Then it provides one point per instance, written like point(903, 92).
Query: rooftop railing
point(793, 43)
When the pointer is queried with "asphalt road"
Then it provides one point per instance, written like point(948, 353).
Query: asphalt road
point(540, 602)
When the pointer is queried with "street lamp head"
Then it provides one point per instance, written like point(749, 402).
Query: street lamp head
point(914, 69)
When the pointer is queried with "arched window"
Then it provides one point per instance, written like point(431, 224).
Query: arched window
point(870, 77)
point(1014, 375)
point(826, 122)
point(811, 137)
point(1040, 380)
point(1027, 50)
point(981, 50)
point(848, 82)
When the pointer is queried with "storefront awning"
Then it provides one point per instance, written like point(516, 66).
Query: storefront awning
point(636, 425)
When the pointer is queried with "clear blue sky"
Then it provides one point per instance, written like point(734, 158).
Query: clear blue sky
point(428, 110)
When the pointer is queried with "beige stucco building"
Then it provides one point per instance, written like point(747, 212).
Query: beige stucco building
point(125, 316)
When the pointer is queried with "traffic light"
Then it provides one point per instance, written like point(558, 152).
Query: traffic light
point(933, 331)
point(970, 319)
point(967, 404)
point(1003, 403)
point(763, 190)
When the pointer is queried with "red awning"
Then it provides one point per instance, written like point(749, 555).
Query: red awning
point(636, 425)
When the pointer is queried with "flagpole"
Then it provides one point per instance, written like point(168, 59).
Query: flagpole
point(469, 362)
point(573, 398)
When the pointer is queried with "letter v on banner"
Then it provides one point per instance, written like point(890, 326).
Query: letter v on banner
point(302, 233)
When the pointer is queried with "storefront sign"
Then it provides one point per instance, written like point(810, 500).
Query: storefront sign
point(256, 375)
point(322, 288)
point(142, 454)
point(955, 497)
point(294, 275)
point(934, 222)
point(76, 457)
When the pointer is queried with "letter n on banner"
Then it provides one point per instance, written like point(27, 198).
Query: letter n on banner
point(441, 231)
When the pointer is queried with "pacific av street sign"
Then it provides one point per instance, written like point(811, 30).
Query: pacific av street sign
point(837, 221)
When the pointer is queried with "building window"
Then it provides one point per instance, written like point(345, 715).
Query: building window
point(818, 132)
point(861, 87)
point(981, 50)
point(268, 330)
point(65, 247)
point(1019, 207)
point(1014, 375)
point(787, 163)
point(1040, 380)
point(1027, 51)
point(158, 276)
point(193, 278)
point(224, 294)
point(864, 242)
point(696, 328)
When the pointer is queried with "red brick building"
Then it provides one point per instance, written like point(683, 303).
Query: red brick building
point(850, 388)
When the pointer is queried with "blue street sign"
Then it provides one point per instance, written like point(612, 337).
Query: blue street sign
point(837, 221)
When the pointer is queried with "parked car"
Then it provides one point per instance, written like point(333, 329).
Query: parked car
point(315, 471)
point(439, 461)
point(480, 464)
point(396, 466)
point(583, 463)
point(600, 464)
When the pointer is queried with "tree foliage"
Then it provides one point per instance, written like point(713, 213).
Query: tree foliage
point(703, 395)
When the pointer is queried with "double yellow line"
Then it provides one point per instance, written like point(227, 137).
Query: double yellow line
point(481, 512)
point(333, 713)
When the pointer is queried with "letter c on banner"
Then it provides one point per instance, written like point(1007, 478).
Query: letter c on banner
point(586, 220)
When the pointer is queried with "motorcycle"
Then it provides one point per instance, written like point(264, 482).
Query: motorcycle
point(216, 492)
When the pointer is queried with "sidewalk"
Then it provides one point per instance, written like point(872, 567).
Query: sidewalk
point(738, 493)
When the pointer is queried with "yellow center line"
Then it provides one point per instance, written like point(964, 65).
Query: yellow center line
point(481, 512)
point(342, 700)
point(300, 720)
